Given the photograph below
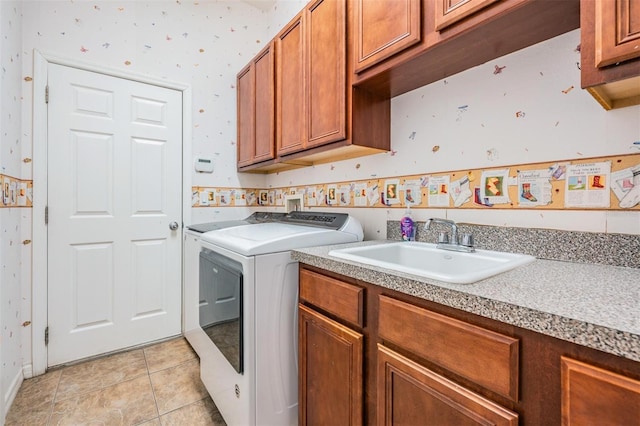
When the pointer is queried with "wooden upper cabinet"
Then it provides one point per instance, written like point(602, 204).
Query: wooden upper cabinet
point(318, 115)
point(384, 28)
point(255, 109)
point(595, 396)
point(290, 124)
point(470, 33)
point(311, 89)
point(326, 87)
point(245, 85)
point(610, 51)
point(617, 31)
point(451, 11)
point(264, 105)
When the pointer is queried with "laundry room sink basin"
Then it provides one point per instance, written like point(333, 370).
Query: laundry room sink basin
point(426, 260)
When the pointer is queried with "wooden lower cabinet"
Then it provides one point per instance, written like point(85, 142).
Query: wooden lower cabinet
point(330, 371)
point(410, 394)
point(595, 396)
point(438, 338)
point(371, 355)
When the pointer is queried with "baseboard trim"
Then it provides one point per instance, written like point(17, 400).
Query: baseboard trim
point(11, 393)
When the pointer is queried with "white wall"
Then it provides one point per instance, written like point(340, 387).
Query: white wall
point(555, 126)
point(11, 246)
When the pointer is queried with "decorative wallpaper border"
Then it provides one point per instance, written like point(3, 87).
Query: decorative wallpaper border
point(604, 183)
point(16, 192)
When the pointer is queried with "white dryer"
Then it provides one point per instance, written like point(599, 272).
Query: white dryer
point(248, 349)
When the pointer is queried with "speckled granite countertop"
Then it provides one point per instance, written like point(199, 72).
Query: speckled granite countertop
point(597, 306)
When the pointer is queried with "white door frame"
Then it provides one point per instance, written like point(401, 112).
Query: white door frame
point(40, 186)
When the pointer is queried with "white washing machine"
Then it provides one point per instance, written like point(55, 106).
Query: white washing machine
point(248, 346)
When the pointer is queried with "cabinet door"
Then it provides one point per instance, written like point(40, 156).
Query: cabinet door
point(326, 89)
point(437, 338)
point(330, 371)
point(264, 105)
point(452, 11)
point(290, 124)
point(255, 109)
point(384, 28)
point(594, 396)
point(410, 394)
point(617, 31)
point(245, 110)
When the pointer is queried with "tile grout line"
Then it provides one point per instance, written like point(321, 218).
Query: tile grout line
point(180, 365)
point(53, 400)
point(153, 391)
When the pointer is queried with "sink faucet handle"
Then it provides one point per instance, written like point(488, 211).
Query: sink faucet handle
point(467, 240)
point(443, 237)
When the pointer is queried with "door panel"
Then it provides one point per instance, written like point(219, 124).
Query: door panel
point(114, 185)
point(146, 255)
point(92, 166)
point(148, 173)
point(93, 283)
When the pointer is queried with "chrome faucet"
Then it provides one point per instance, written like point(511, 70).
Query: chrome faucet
point(453, 244)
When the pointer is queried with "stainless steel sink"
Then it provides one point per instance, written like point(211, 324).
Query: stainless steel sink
point(425, 260)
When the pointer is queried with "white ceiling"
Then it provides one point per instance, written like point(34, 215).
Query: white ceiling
point(261, 4)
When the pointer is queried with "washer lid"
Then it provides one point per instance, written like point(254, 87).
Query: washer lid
point(261, 238)
point(212, 226)
point(256, 217)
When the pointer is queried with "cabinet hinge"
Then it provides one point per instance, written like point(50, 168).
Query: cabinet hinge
point(46, 94)
point(46, 215)
point(46, 336)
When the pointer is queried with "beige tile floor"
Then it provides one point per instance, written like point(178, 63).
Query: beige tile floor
point(155, 385)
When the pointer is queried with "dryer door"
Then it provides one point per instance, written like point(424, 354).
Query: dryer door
point(221, 282)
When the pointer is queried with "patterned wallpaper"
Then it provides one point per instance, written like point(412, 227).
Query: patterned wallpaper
point(11, 223)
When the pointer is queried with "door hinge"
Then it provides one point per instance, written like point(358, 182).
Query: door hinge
point(46, 215)
point(46, 336)
point(46, 94)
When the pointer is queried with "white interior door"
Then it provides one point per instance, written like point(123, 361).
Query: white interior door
point(114, 188)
